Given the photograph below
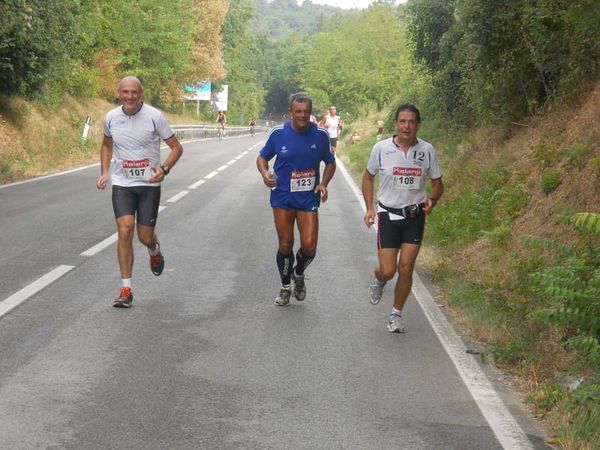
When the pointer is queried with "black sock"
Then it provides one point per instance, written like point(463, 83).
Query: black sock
point(284, 264)
point(302, 262)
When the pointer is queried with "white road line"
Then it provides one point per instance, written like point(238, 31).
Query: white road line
point(52, 175)
point(222, 168)
point(233, 161)
point(501, 421)
point(245, 152)
point(196, 184)
point(19, 297)
point(161, 208)
point(176, 197)
point(101, 245)
point(239, 156)
point(210, 175)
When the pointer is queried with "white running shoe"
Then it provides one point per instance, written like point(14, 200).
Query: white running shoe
point(299, 286)
point(284, 296)
point(376, 291)
point(396, 324)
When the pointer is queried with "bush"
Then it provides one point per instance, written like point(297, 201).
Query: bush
point(550, 181)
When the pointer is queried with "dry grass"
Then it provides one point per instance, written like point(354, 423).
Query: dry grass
point(37, 139)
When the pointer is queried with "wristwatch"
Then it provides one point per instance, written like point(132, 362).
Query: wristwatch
point(166, 170)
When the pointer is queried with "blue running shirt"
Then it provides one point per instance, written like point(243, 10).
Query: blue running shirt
point(299, 156)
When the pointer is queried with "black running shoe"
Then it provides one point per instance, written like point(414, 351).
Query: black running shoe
point(125, 298)
point(157, 264)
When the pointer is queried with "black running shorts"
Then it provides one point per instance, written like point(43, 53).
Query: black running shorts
point(394, 233)
point(139, 201)
point(333, 142)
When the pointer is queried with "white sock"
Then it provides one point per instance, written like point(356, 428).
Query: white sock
point(379, 282)
point(126, 282)
point(396, 312)
point(156, 250)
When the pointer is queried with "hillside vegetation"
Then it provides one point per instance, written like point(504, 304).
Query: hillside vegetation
point(510, 95)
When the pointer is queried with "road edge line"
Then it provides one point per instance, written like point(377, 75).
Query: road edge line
point(505, 427)
point(31, 289)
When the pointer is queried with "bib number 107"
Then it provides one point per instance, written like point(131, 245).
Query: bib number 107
point(138, 173)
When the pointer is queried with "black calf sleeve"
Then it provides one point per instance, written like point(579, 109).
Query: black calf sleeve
point(302, 262)
point(284, 264)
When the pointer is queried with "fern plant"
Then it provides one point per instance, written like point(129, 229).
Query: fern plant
point(571, 287)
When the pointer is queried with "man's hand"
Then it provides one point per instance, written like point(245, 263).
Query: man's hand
point(370, 217)
point(322, 189)
point(269, 181)
point(428, 206)
point(102, 180)
point(158, 176)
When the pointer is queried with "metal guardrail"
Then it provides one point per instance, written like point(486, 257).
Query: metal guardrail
point(186, 132)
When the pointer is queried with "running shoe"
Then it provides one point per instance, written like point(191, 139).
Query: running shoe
point(299, 286)
point(284, 296)
point(157, 263)
point(376, 291)
point(396, 323)
point(125, 298)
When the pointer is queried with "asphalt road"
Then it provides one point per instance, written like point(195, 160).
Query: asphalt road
point(204, 360)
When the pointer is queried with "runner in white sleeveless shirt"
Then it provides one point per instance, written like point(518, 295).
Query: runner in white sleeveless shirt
point(403, 164)
point(132, 136)
point(334, 125)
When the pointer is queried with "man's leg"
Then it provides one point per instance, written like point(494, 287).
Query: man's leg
point(147, 236)
point(125, 227)
point(284, 225)
point(406, 266)
point(308, 226)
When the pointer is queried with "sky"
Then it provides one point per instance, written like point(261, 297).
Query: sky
point(348, 3)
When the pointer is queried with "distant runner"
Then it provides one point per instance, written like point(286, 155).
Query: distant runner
point(334, 126)
point(297, 191)
point(403, 163)
point(132, 135)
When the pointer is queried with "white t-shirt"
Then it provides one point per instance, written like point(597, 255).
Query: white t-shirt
point(136, 144)
point(332, 124)
point(402, 176)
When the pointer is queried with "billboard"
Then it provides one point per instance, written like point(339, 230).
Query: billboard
point(220, 100)
point(198, 91)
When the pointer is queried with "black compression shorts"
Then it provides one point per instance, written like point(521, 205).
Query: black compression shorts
point(394, 233)
point(139, 201)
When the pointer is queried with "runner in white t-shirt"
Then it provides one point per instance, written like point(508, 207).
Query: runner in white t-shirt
point(403, 163)
point(132, 136)
point(334, 125)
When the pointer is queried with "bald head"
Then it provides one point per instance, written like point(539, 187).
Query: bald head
point(130, 92)
point(131, 81)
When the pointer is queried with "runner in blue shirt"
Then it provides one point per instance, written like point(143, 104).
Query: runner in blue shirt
point(296, 190)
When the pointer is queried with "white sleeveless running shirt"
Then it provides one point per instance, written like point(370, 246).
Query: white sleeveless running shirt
point(332, 124)
point(402, 176)
point(136, 144)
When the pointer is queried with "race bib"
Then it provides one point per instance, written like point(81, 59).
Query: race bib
point(303, 180)
point(405, 178)
point(137, 170)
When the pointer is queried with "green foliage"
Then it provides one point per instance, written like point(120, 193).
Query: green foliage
point(278, 19)
point(571, 289)
point(551, 179)
point(362, 59)
point(240, 47)
point(503, 59)
point(36, 38)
